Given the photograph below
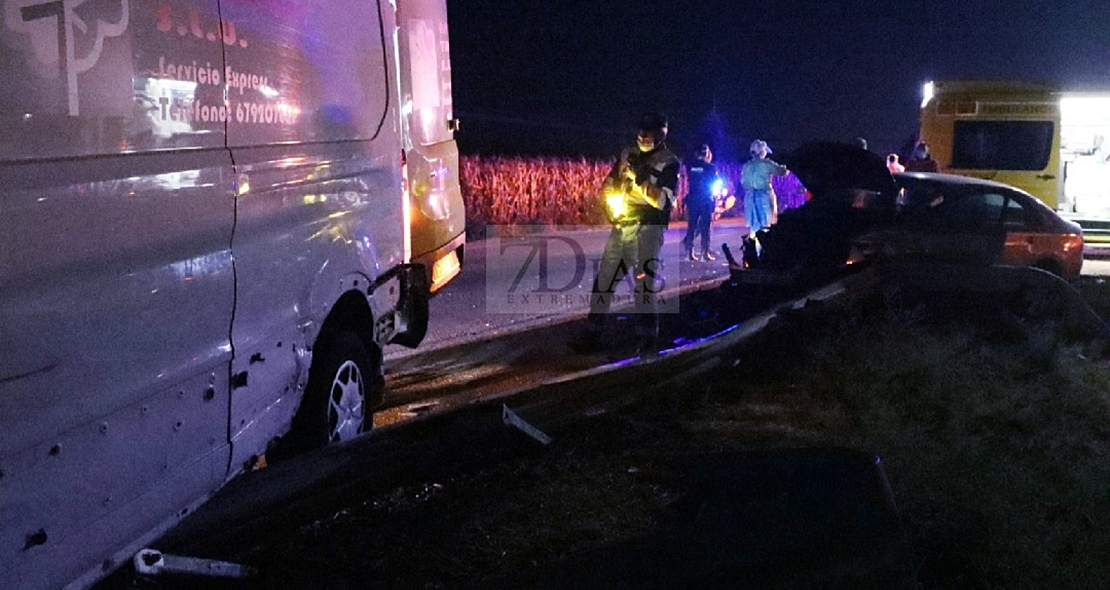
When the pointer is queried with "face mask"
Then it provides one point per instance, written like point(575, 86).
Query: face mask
point(648, 140)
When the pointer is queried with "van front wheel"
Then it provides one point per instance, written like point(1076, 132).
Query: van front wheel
point(345, 378)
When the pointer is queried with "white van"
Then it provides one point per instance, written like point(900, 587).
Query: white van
point(207, 235)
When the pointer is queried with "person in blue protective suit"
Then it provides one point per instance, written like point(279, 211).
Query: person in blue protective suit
point(700, 201)
point(755, 178)
point(640, 192)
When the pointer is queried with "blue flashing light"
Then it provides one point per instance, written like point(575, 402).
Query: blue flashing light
point(718, 186)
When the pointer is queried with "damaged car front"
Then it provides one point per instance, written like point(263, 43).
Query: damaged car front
point(852, 194)
point(860, 213)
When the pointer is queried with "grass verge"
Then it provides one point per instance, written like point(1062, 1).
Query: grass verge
point(995, 442)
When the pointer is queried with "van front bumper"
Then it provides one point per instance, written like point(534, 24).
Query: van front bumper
point(399, 300)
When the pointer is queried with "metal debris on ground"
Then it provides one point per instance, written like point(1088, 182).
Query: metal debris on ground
point(153, 562)
point(511, 419)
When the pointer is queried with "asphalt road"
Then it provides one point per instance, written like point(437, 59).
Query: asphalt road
point(479, 347)
point(467, 308)
point(463, 311)
point(1096, 261)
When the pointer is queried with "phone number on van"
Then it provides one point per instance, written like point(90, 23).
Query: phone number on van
point(241, 112)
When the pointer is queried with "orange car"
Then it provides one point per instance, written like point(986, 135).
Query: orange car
point(957, 218)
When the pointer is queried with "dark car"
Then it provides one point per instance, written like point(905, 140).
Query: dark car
point(960, 219)
point(859, 211)
point(852, 193)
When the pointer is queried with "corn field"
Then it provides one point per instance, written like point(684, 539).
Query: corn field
point(512, 190)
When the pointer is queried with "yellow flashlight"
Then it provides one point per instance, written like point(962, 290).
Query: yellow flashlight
point(616, 203)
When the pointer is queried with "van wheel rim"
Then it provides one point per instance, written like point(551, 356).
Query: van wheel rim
point(345, 408)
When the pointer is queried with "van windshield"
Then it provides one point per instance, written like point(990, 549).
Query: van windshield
point(1002, 145)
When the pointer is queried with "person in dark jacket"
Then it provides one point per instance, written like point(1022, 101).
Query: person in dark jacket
point(921, 161)
point(640, 192)
point(700, 201)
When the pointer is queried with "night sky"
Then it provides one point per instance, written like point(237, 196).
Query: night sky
point(571, 77)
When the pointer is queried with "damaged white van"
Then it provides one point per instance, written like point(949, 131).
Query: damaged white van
point(207, 235)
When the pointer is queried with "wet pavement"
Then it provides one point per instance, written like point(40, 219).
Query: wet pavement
point(472, 353)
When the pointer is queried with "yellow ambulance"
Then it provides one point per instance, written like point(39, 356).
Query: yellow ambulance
point(1035, 137)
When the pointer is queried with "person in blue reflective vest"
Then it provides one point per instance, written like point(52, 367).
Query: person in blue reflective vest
point(640, 192)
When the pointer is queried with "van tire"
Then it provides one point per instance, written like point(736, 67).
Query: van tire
point(344, 379)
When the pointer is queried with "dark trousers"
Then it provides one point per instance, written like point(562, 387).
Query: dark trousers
point(632, 249)
point(700, 217)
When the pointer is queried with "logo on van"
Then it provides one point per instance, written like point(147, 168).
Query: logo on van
point(51, 29)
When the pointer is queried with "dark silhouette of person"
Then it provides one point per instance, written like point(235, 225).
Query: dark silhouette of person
point(700, 203)
point(921, 161)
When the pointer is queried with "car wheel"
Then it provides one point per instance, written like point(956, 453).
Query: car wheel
point(345, 377)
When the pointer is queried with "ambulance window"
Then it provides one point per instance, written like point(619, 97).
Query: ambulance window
point(428, 97)
point(140, 78)
point(1002, 145)
point(304, 71)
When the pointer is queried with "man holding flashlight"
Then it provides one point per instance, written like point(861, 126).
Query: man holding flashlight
point(639, 193)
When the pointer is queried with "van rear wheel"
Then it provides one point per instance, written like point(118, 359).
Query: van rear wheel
point(344, 379)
